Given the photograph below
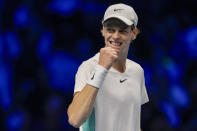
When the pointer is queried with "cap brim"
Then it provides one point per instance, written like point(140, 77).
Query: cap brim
point(123, 19)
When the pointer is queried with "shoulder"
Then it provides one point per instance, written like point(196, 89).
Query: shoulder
point(134, 65)
point(89, 64)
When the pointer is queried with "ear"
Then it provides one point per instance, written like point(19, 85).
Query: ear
point(134, 33)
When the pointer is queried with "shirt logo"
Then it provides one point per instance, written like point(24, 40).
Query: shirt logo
point(93, 76)
point(121, 81)
point(117, 9)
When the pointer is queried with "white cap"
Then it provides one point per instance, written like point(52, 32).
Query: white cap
point(123, 12)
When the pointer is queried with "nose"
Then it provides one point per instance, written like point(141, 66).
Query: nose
point(116, 35)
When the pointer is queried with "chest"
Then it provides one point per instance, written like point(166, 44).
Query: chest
point(120, 90)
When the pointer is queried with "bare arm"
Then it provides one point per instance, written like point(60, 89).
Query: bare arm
point(82, 105)
point(83, 101)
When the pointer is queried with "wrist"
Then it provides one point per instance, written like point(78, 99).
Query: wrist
point(98, 76)
point(107, 67)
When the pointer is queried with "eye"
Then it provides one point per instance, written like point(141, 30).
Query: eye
point(110, 30)
point(124, 31)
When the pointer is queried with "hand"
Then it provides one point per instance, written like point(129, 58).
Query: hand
point(107, 56)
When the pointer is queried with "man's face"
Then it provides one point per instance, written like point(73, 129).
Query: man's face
point(118, 38)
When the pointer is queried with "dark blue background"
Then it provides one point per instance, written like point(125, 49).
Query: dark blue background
point(42, 43)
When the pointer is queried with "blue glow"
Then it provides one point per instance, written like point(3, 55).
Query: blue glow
point(171, 113)
point(21, 16)
point(15, 121)
point(63, 7)
point(5, 93)
point(54, 104)
point(84, 46)
point(191, 41)
point(13, 44)
point(179, 96)
point(171, 68)
point(62, 68)
point(45, 45)
point(1, 46)
point(148, 76)
point(93, 8)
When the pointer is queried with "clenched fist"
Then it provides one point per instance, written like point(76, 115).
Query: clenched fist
point(107, 56)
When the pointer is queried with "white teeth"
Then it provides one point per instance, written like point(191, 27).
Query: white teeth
point(115, 43)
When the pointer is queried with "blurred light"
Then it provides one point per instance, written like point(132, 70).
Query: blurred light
point(5, 93)
point(1, 47)
point(84, 46)
point(172, 69)
point(13, 44)
point(45, 45)
point(63, 7)
point(21, 16)
point(62, 68)
point(191, 41)
point(170, 112)
point(179, 96)
point(93, 8)
point(148, 76)
point(160, 71)
point(15, 121)
point(54, 104)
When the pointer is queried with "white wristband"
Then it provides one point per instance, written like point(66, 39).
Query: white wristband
point(98, 76)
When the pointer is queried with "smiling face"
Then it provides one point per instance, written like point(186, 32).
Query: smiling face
point(118, 35)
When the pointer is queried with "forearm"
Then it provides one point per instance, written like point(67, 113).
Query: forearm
point(82, 105)
point(83, 102)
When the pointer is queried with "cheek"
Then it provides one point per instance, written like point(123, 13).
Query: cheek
point(107, 37)
point(128, 40)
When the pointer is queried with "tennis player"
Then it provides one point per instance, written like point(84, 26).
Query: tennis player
point(110, 88)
